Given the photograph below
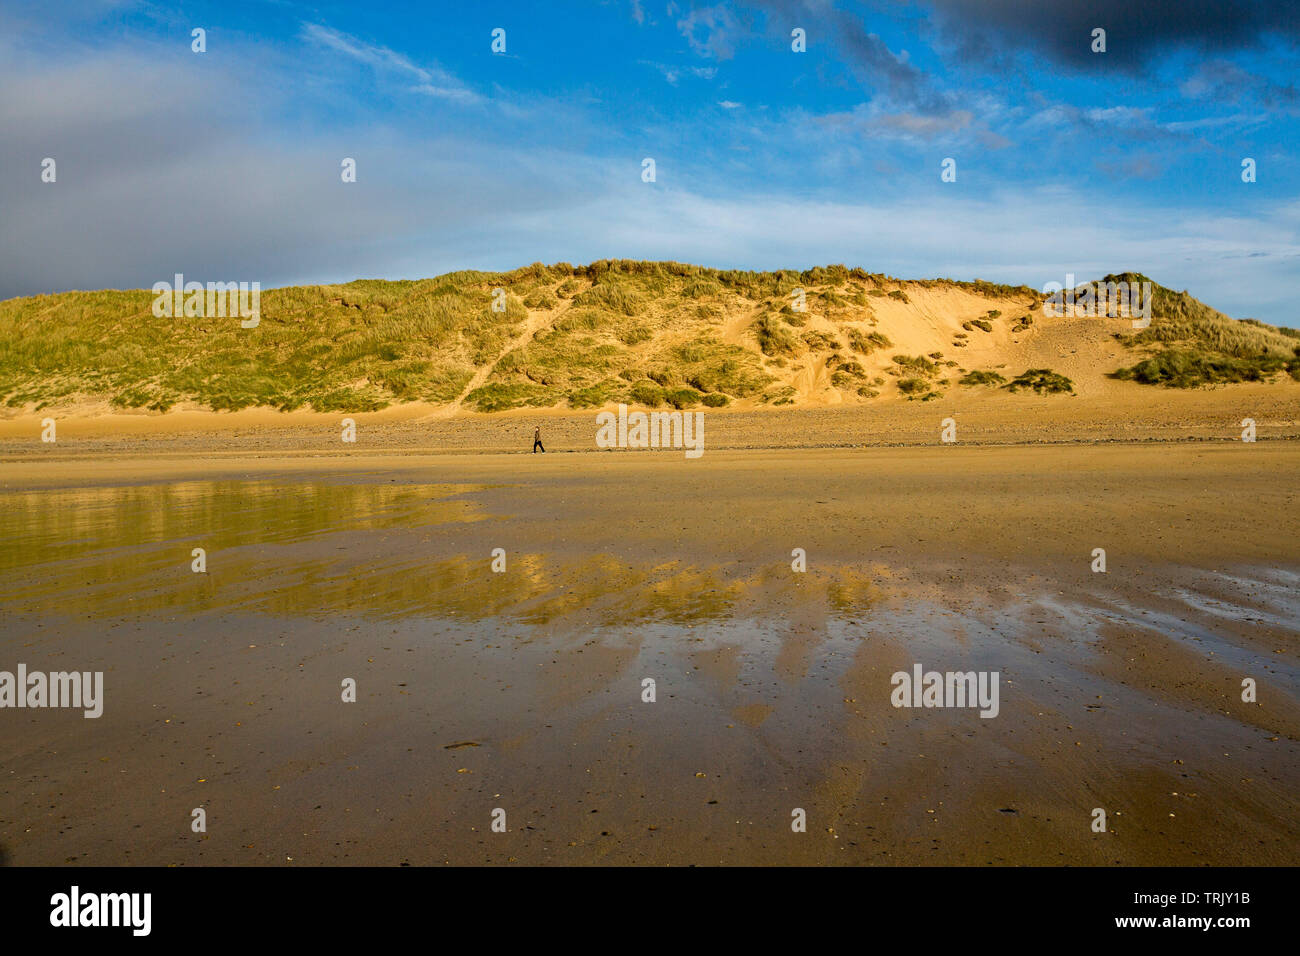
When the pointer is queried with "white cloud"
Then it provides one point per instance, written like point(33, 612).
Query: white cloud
point(1211, 122)
point(229, 194)
point(710, 31)
point(1120, 115)
point(674, 73)
point(429, 81)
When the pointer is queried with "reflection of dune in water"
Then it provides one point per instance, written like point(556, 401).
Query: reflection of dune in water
point(317, 548)
point(91, 549)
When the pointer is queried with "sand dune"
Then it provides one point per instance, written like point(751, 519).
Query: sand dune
point(646, 334)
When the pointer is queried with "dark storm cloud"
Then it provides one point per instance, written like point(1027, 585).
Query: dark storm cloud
point(887, 74)
point(1137, 33)
point(902, 82)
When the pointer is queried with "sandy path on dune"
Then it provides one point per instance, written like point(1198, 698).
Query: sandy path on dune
point(536, 321)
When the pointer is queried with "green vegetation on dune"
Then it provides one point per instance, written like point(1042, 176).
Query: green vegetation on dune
point(653, 333)
point(612, 296)
point(867, 342)
point(354, 347)
point(981, 378)
point(498, 397)
point(916, 363)
point(821, 341)
point(1189, 344)
point(913, 386)
point(917, 377)
point(773, 338)
point(712, 366)
point(1042, 381)
point(1184, 368)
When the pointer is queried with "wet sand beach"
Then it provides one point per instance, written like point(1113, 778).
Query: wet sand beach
point(522, 689)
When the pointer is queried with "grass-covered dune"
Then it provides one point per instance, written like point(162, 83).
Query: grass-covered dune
point(351, 347)
point(648, 333)
point(1190, 344)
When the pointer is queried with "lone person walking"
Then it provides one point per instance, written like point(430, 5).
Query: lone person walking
point(537, 440)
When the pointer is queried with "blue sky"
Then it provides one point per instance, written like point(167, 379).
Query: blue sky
point(225, 165)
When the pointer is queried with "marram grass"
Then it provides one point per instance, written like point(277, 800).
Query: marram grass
point(569, 336)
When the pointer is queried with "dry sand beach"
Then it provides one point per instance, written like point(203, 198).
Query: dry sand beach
point(1107, 413)
point(522, 690)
